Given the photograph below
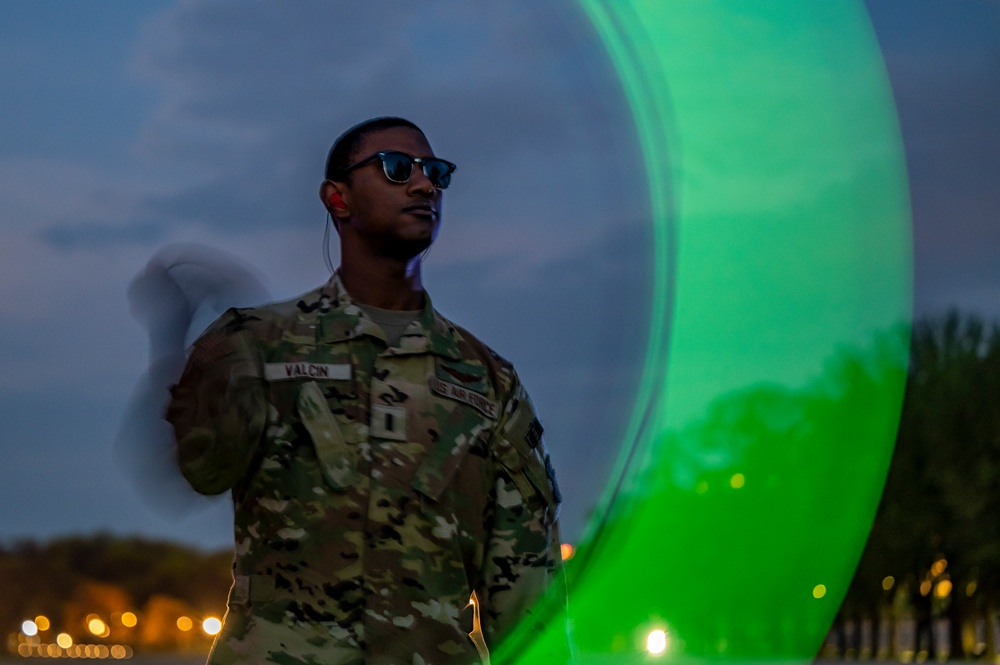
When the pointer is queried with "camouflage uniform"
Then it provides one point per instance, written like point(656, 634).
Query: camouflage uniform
point(375, 488)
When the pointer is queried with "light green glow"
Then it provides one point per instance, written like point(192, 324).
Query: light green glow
point(781, 299)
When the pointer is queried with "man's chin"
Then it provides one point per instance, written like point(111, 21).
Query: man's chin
point(408, 248)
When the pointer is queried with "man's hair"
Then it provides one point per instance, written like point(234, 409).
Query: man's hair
point(343, 151)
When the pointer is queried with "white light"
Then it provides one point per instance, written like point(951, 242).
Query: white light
point(211, 625)
point(29, 628)
point(656, 642)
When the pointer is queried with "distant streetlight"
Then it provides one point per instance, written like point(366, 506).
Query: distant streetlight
point(98, 627)
point(943, 589)
point(211, 626)
point(656, 642)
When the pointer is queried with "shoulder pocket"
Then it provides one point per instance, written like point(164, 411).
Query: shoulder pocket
point(521, 452)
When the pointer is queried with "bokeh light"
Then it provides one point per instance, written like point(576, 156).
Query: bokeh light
point(943, 589)
point(29, 628)
point(42, 622)
point(129, 619)
point(185, 623)
point(97, 626)
point(656, 642)
point(211, 626)
point(64, 640)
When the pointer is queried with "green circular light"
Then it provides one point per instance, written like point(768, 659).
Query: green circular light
point(763, 427)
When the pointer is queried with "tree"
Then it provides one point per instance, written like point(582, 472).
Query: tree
point(942, 495)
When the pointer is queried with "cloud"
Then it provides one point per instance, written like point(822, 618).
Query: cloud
point(96, 234)
point(522, 97)
point(938, 64)
point(544, 218)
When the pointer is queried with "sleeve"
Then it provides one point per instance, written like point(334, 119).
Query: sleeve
point(218, 408)
point(523, 583)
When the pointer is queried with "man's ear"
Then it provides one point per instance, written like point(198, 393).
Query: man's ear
point(332, 196)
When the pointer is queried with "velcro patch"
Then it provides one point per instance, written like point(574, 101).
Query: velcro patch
point(534, 434)
point(289, 371)
point(486, 406)
point(388, 422)
point(467, 375)
point(551, 472)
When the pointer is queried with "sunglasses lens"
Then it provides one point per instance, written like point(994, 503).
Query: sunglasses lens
point(438, 172)
point(397, 166)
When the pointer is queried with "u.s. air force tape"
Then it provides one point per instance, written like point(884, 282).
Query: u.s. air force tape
point(288, 371)
point(485, 405)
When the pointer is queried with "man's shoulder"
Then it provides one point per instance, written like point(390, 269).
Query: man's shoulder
point(307, 303)
point(472, 347)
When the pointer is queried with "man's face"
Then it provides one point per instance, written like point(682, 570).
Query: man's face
point(399, 220)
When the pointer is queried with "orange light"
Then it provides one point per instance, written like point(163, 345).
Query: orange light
point(97, 627)
point(925, 587)
point(185, 624)
point(943, 589)
point(64, 640)
point(567, 551)
point(42, 622)
point(129, 619)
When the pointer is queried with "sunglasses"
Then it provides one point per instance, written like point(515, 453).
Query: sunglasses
point(398, 167)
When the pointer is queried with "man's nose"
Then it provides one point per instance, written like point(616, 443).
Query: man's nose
point(419, 183)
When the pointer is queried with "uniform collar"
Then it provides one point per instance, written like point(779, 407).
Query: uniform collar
point(340, 319)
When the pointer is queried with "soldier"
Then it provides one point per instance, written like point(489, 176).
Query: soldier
point(393, 500)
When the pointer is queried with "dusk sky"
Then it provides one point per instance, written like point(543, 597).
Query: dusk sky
point(128, 127)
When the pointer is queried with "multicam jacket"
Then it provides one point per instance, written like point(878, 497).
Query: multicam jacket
point(376, 488)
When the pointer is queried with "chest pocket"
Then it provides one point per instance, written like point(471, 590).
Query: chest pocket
point(464, 413)
point(337, 460)
point(302, 376)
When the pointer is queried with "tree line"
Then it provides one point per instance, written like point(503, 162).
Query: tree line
point(933, 555)
point(69, 578)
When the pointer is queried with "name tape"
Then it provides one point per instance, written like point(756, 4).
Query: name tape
point(287, 371)
point(485, 406)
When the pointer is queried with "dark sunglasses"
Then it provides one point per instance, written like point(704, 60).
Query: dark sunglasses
point(398, 167)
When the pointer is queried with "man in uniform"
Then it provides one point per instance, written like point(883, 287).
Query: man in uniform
point(394, 503)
